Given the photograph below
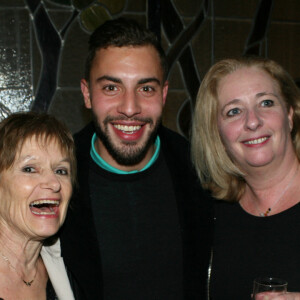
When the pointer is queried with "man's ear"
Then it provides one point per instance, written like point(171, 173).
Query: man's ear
point(84, 85)
point(165, 91)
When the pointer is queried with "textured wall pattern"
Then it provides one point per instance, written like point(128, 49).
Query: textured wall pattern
point(43, 46)
point(15, 62)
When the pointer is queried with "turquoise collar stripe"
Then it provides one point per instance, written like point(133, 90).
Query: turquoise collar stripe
point(104, 165)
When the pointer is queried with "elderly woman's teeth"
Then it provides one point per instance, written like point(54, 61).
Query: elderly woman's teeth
point(128, 129)
point(43, 207)
point(43, 202)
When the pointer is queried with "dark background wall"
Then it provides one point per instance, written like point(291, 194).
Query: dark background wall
point(43, 46)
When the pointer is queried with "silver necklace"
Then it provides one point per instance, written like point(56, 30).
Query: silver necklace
point(28, 283)
point(266, 213)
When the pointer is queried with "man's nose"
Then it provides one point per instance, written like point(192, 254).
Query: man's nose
point(129, 104)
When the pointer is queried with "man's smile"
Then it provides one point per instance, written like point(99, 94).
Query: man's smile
point(129, 132)
point(128, 129)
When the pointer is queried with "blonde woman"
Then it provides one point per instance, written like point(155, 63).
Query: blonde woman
point(246, 149)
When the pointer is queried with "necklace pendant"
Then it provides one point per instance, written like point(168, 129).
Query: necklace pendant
point(267, 212)
point(28, 283)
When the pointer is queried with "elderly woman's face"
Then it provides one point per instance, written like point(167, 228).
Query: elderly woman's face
point(35, 191)
point(252, 118)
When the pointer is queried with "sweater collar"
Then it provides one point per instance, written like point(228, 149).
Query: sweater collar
point(104, 165)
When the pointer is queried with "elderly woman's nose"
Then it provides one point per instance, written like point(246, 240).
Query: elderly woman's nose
point(253, 120)
point(50, 181)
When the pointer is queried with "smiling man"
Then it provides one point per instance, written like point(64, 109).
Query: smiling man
point(139, 224)
point(126, 92)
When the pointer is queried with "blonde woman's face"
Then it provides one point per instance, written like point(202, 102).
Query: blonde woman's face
point(253, 120)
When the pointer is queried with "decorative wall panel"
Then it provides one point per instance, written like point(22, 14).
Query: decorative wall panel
point(15, 61)
point(43, 45)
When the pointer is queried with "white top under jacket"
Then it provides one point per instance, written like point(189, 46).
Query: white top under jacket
point(56, 269)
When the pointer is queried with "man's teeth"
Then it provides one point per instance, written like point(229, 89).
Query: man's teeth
point(128, 129)
point(256, 141)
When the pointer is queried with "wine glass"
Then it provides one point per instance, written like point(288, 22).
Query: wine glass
point(270, 286)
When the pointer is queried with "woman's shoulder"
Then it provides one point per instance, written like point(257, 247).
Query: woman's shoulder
point(224, 204)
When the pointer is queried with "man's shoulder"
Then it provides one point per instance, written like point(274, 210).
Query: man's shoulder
point(83, 139)
point(174, 144)
point(169, 136)
point(85, 133)
point(176, 151)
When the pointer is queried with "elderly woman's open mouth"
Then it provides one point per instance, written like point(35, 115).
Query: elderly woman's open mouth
point(44, 207)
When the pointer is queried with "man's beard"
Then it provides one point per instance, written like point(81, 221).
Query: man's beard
point(128, 154)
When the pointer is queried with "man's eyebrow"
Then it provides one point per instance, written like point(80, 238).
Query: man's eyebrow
point(150, 79)
point(109, 78)
point(118, 80)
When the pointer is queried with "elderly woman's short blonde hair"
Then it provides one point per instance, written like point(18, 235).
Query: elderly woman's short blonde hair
point(215, 169)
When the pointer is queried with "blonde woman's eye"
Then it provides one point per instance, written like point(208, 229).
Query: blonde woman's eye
point(233, 112)
point(267, 103)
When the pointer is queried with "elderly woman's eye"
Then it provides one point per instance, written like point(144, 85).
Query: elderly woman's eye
point(233, 112)
point(28, 169)
point(267, 103)
point(62, 172)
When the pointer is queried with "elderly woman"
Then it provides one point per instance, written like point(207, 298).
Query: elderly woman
point(37, 169)
point(246, 149)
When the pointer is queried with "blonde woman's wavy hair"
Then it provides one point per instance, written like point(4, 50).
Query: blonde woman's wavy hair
point(215, 169)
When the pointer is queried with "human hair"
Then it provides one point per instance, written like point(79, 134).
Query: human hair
point(215, 169)
point(123, 32)
point(17, 128)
